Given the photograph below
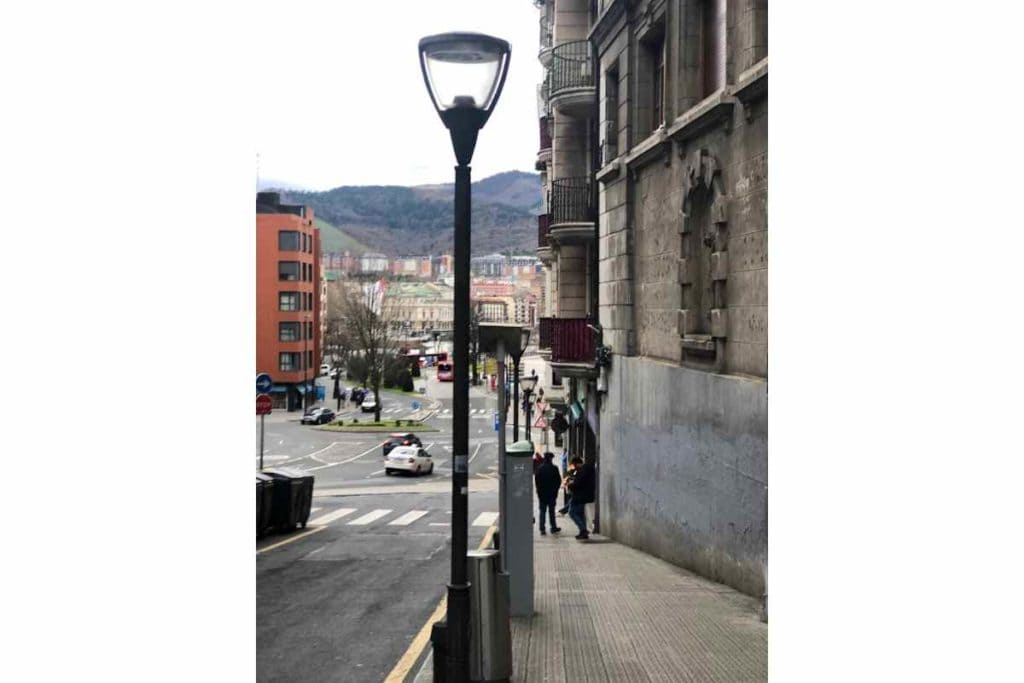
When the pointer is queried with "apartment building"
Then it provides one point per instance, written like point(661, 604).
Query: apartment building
point(289, 299)
point(654, 242)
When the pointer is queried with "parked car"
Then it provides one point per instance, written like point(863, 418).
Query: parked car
point(317, 415)
point(324, 369)
point(408, 459)
point(400, 439)
point(334, 373)
point(369, 404)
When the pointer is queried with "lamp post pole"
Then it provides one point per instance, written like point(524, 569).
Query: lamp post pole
point(515, 399)
point(464, 74)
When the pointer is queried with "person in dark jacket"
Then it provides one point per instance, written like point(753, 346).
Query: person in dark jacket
point(548, 481)
point(582, 490)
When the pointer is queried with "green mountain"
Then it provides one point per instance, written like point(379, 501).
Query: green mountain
point(333, 239)
point(402, 221)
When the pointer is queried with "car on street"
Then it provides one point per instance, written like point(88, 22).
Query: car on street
point(413, 459)
point(369, 404)
point(317, 415)
point(396, 439)
point(444, 372)
point(324, 369)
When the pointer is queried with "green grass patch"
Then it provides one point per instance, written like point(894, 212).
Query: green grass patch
point(382, 426)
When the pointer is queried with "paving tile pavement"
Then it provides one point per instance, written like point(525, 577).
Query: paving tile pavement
point(606, 612)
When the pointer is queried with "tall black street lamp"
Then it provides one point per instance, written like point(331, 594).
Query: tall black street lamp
point(516, 354)
point(529, 383)
point(464, 74)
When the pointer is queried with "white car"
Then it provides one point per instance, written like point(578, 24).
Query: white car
point(369, 404)
point(408, 459)
point(324, 369)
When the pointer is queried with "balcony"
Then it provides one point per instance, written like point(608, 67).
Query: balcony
point(571, 342)
point(573, 90)
point(572, 210)
point(544, 152)
point(543, 244)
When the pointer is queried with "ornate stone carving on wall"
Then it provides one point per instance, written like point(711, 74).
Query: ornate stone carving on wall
point(703, 320)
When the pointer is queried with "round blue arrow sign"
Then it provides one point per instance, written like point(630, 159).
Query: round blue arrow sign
point(263, 383)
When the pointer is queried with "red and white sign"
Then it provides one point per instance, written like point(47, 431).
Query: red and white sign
point(263, 404)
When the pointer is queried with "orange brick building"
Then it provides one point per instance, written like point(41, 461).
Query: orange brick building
point(288, 299)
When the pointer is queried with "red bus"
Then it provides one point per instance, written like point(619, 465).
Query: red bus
point(445, 372)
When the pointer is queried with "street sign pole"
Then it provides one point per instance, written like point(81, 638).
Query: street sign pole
point(261, 442)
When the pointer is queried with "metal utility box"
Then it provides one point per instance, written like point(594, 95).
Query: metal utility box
point(490, 645)
point(519, 527)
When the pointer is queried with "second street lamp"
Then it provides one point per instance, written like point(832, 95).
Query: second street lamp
point(464, 74)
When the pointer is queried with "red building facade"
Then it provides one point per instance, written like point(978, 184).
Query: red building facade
point(288, 299)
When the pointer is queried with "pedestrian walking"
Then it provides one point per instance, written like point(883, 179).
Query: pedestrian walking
point(582, 491)
point(547, 481)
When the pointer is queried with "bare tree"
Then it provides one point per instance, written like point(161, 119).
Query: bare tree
point(338, 342)
point(372, 328)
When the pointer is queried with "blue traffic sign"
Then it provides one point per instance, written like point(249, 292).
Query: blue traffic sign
point(497, 422)
point(263, 383)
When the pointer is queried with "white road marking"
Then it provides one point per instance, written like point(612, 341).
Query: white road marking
point(342, 462)
point(483, 519)
point(374, 474)
point(440, 523)
point(370, 517)
point(316, 453)
point(331, 516)
point(312, 510)
point(475, 453)
point(408, 518)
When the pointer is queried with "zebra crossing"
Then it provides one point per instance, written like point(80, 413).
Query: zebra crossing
point(387, 517)
point(474, 413)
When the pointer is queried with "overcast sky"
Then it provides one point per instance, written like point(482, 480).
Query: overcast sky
point(343, 102)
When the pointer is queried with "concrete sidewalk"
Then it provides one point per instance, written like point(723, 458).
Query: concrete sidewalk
point(606, 612)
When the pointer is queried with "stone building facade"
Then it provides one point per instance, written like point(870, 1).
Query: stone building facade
point(680, 145)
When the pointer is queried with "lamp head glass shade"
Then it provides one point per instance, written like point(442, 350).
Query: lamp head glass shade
point(528, 382)
point(464, 70)
point(525, 338)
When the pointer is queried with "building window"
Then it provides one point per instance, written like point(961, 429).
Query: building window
point(610, 144)
point(289, 361)
point(288, 332)
point(712, 46)
point(652, 80)
point(288, 270)
point(309, 330)
point(309, 359)
point(288, 240)
point(288, 301)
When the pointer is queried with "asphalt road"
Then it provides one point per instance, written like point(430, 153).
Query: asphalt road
point(343, 599)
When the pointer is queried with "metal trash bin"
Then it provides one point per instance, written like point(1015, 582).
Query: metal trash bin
point(264, 503)
point(490, 644)
point(293, 497)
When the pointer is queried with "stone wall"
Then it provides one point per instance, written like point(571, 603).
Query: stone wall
point(684, 468)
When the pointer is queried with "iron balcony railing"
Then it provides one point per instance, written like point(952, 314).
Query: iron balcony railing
point(543, 228)
point(545, 330)
point(572, 341)
point(572, 200)
point(571, 67)
point(545, 133)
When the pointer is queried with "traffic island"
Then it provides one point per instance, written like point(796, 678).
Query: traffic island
point(382, 426)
